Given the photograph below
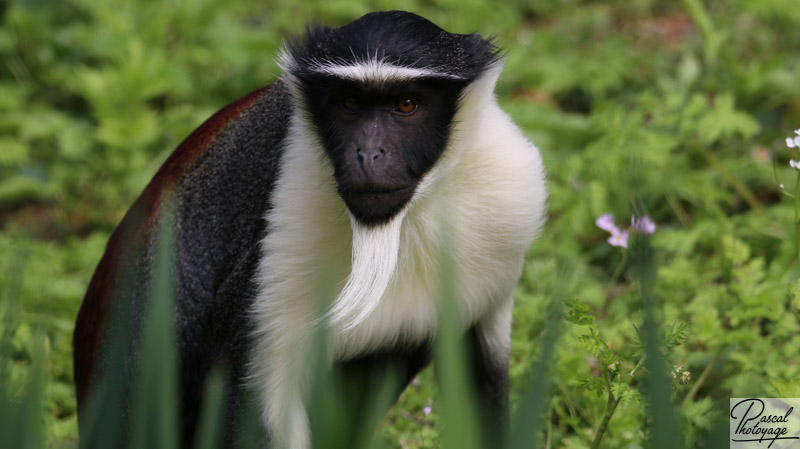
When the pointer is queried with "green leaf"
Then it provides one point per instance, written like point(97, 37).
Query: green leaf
point(786, 388)
point(12, 152)
point(723, 120)
point(594, 384)
point(576, 312)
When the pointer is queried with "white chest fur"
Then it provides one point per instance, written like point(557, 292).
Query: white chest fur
point(489, 187)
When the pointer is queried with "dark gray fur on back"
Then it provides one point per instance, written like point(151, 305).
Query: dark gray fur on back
point(222, 203)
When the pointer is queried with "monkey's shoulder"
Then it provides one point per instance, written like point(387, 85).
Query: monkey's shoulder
point(221, 178)
point(501, 182)
point(225, 193)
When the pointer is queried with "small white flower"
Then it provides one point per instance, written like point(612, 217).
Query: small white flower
point(793, 142)
point(794, 164)
point(782, 186)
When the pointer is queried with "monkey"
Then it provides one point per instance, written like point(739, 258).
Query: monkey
point(380, 144)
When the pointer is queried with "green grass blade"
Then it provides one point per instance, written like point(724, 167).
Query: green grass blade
point(329, 425)
point(250, 432)
point(155, 411)
point(10, 320)
point(328, 416)
point(530, 418)
point(28, 431)
point(461, 429)
point(102, 417)
point(379, 400)
point(664, 430)
point(209, 430)
point(21, 423)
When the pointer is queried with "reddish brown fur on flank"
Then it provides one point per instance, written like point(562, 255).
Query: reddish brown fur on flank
point(135, 230)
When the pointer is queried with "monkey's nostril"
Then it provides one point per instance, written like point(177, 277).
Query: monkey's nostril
point(370, 155)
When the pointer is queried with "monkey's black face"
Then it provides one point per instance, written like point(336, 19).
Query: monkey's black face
point(382, 140)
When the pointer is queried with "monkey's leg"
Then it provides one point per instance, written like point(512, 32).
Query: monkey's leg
point(379, 376)
point(488, 343)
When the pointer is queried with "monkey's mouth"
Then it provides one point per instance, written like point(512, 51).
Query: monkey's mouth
point(379, 190)
point(376, 204)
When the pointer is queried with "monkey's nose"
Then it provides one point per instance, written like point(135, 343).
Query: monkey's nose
point(372, 160)
point(370, 155)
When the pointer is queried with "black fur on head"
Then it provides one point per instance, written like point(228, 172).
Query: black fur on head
point(398, 38)
point(380, 154)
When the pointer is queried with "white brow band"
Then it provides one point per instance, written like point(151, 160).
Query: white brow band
point(377, 71)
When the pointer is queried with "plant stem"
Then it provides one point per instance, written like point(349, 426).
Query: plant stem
point(700, 17)
point(611, 405)
point(618, 270)
point(636, 368)
point(701, 380)
point(679, 211)
point(797, 214)
point(711, 38)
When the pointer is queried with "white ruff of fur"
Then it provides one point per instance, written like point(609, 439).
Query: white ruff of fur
point(373, 264)
point(489, 180)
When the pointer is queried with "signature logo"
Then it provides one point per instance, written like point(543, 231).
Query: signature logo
point(755, 421)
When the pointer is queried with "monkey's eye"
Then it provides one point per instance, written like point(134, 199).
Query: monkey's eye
point(406, 106)
point(351, 104)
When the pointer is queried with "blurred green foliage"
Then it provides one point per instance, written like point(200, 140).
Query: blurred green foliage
point(677, 110)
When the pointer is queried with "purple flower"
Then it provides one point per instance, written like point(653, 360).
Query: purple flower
point(606, 223)
point(427, 410)
point(644, 225)
point(619, 238)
